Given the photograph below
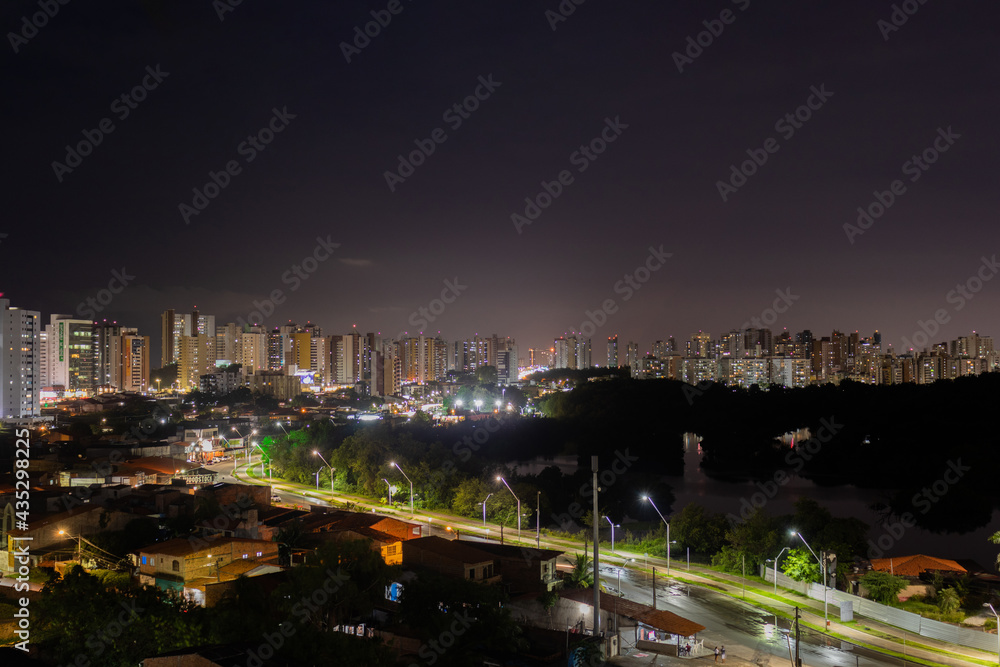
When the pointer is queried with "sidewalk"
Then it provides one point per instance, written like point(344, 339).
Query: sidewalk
point(811, 612)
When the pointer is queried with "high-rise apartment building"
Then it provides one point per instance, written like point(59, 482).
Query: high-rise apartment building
point(20, 349)
point(71, 355)
point(613, 351)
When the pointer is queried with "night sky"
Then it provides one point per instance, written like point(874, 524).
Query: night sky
point(343, 125)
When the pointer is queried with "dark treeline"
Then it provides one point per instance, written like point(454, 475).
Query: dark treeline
point(933, 448)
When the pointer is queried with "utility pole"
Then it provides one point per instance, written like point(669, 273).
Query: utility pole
point(798, 661)
point(597, 572)
point(538, 522)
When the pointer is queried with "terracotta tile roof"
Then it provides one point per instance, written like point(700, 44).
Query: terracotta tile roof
point(913, 566)
point(183, 546)
point(660, 619)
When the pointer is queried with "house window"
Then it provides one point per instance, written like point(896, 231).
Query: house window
point(259, 554)
point(472, 573)
point(143, 560)
point(175, 566)
point(245, 556)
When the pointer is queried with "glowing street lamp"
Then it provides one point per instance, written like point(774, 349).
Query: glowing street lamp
point(484, 509)
point(650, 501)
point(613, 526)
point(518, 504)
point(408, 480)
point(822, 566)
point(776, 568)
point(990, 607)
point(316, 453)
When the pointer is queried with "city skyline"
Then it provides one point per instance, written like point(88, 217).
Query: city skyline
point(688, 170)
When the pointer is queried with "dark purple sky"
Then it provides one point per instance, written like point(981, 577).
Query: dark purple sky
point(656, 184)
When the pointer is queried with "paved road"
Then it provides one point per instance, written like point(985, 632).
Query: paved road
point(750, 634)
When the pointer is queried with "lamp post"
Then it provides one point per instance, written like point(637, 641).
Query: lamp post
point(78, 547)
point(518, 506)
point(478, 403)
point(990, 606)
point(484, 508)
point(650, 500)
point(822, 566)
point(613, 526)
point(317, 477)
point(262, 453)
point(538, 521)
point(776, 559)
point(408, 480)
point(390, 489)
point(332, 469)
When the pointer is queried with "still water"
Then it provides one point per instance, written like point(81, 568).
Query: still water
point(728, 497)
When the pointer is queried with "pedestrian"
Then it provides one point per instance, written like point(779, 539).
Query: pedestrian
point(717, 654)
point(687, 650)
point(723, 654)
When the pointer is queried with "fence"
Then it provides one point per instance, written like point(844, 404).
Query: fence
point(905, 620)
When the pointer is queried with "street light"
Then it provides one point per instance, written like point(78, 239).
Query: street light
point(317, 477)
point(613, 526)
point(987, 604)
point(411, 485)
point(478, 403)
point(390, 489)
point(518, 505)
point(332, 469)
point(262, 453)
point(78, 547)
point(484, 509)
point(822, 566)
point(650, 500)
point(776, 559)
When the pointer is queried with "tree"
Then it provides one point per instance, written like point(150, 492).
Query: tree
point(948, 600)
point(699, 529)
point(882, 586)
point(995, 539)
point(582, 574)
point(753, 540)
point(487, 375)
point(801, 566)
